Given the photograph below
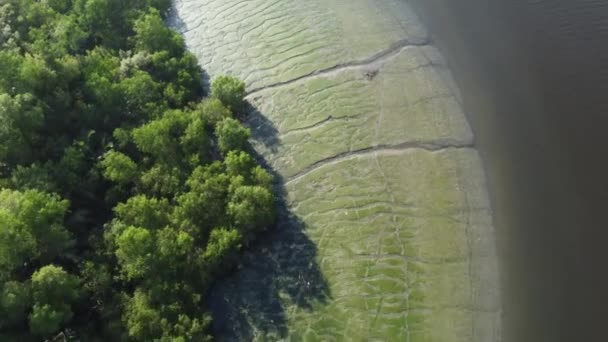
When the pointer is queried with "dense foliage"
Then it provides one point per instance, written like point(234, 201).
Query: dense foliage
point(123, 193)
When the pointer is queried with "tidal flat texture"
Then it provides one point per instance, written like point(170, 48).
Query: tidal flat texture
point(386, 231)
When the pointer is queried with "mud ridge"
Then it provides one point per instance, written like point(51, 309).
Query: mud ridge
point(429, 146)
point(382, 55)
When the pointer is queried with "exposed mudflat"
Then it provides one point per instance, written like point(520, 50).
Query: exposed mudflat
point(387, 230)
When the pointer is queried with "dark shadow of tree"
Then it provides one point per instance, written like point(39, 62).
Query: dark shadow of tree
point(263, 131)
point(279, 269)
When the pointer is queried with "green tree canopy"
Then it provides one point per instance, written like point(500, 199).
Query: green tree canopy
point(142, 320)
point(212, 111)
point(135, 252)
point(21, 118)
point(232, 136)
point(123, 192)
point(118, 167)
point(53, 292)
point(251, 208)
point(31, 228)
point(230, 91)
point(151, 34)
point(14, 303)
point(142, 211)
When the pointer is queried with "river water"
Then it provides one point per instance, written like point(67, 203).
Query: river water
point(533, 76)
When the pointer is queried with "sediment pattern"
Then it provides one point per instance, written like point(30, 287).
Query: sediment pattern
point(387, 231)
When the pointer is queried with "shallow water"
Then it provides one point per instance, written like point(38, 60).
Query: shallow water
point(533, 75)
point(386, 232)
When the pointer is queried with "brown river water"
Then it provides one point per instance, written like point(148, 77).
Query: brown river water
point(534, 74)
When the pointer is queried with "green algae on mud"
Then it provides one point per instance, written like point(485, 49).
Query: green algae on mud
point(387, 231)
point(393, 263)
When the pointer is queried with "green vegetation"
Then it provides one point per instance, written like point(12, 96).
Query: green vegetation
point(123, 193)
